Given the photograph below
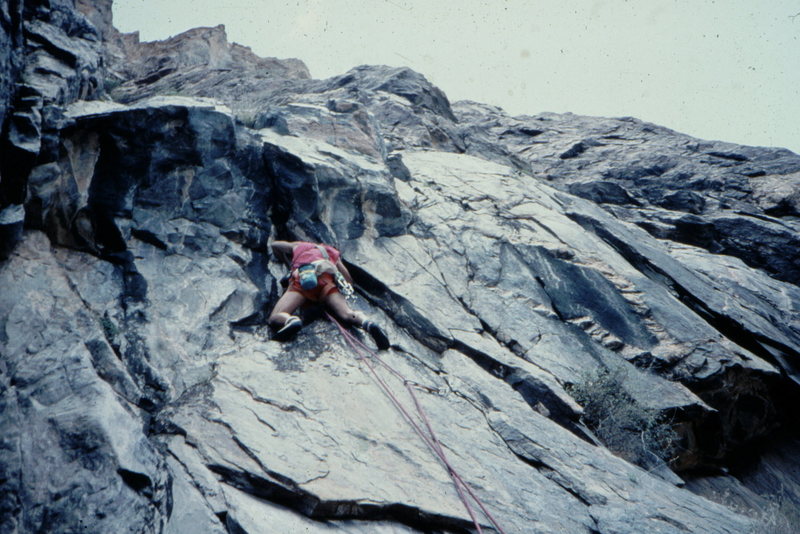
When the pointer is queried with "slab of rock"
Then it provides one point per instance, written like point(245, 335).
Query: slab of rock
point(508, 259)
point(74, 452)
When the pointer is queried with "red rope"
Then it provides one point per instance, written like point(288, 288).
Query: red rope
point(429, 438)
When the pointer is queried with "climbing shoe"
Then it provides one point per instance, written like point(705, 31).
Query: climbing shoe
point(377, 334)
point(292, 325)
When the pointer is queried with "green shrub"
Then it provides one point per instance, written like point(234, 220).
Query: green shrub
point(110, 329)
point(781, 516)
point(634, 432)
point(774, 514)
point(111, 83)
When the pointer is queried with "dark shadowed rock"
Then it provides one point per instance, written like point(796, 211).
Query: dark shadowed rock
point(602, 192)
point(684, 201)
point(74, 452)
point(11, 54)
point(52, 57)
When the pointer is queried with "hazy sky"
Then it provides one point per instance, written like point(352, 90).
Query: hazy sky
point(725, 69)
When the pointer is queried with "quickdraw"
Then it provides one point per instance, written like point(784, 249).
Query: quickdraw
point(344, 286)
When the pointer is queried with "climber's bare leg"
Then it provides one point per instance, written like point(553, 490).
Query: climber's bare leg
point(337, 304)
point(285, 307)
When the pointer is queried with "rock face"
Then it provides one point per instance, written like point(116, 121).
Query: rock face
point(50, 57)
point(510, 259)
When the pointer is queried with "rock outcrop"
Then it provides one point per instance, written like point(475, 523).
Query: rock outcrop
point(512, 260)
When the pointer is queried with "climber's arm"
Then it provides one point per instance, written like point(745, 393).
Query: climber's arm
point(283, 250)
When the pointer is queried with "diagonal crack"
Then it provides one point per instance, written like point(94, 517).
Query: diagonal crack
point(771, 350)
point(537, 463)
point(542, 465)
point(291, 408)
point(313, 507)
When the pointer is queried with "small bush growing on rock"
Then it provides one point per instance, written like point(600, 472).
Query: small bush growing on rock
point(775, 513)
point(637, 433)
point(111, 83)
point(781, 516)
point(110, 329)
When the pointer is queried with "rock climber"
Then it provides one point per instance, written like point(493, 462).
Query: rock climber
point(315, 269)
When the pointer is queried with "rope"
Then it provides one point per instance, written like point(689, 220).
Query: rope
point(429, 438)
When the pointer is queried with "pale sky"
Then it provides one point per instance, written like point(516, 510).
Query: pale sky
point(722, 70)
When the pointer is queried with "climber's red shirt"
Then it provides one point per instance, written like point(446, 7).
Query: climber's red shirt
point(308, 252)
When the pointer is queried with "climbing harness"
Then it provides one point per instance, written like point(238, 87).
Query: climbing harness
point(327, 266)
point(428, 436)
point(308, 274)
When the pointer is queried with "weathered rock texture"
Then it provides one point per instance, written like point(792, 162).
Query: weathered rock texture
point(508, 258)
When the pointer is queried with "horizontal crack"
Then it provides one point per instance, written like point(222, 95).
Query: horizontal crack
point(291, 408)
point(311, 506)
